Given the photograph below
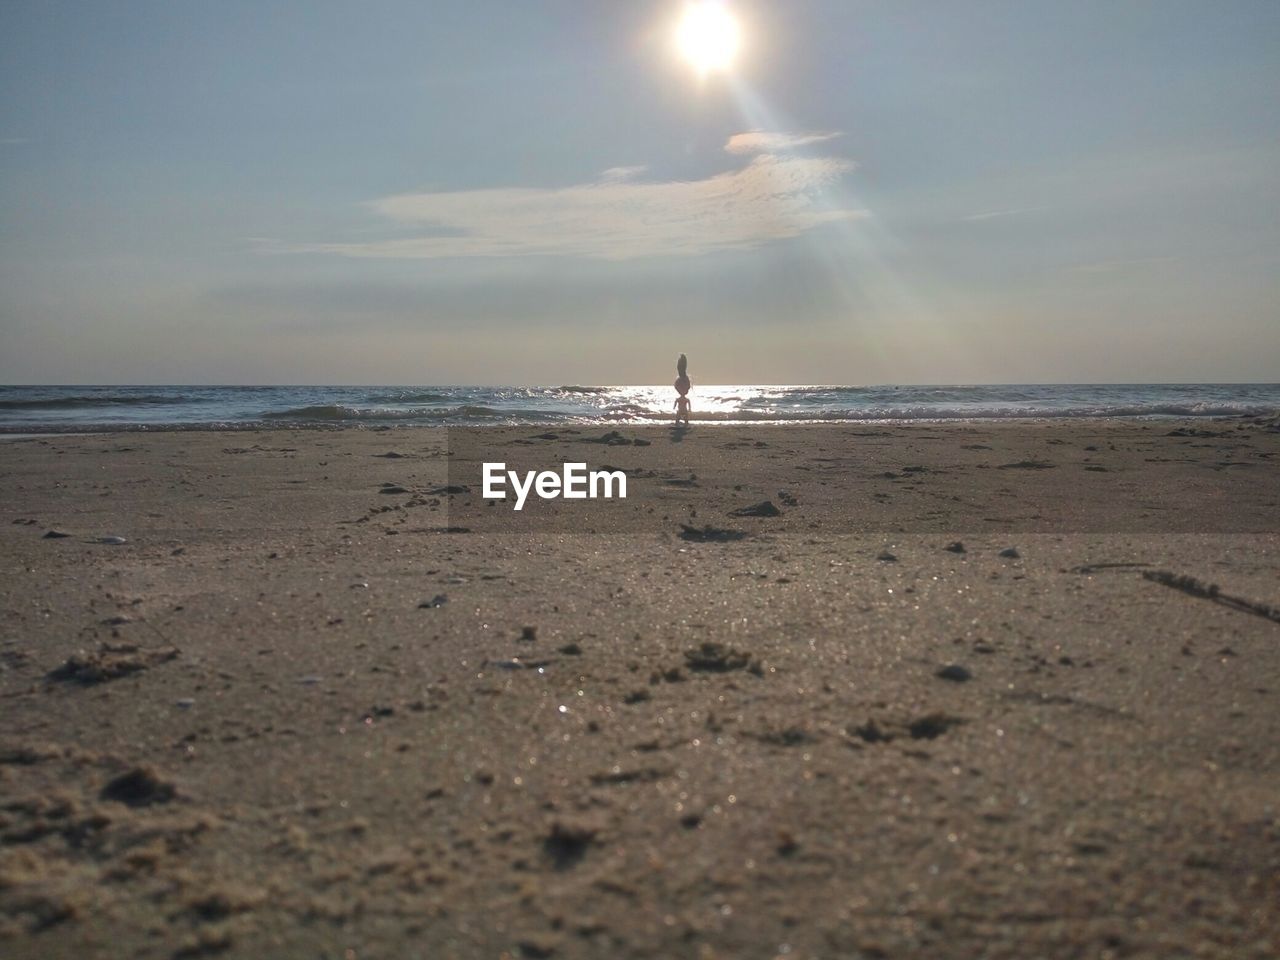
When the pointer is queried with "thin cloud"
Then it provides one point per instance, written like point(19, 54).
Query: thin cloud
point(764, 141)
point(615, 218)
point(615, 174)
point(994, 214)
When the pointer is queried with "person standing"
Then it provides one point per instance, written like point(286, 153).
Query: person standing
point(682, 388)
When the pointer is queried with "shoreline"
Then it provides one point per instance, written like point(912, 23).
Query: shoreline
point(1069, 419)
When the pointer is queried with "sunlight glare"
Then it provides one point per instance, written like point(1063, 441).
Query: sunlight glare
point(708, 36)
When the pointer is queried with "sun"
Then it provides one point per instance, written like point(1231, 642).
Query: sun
point(708, 36)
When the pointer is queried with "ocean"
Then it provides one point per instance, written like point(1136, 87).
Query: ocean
point(51, 409)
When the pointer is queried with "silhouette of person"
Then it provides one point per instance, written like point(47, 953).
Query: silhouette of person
point(682, 388)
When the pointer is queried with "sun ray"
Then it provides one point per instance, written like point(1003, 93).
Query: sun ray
point(856, 255)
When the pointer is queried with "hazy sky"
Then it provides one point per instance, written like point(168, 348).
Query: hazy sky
point(543, 192)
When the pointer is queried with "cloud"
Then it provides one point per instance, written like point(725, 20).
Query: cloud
point(995, 214)
point(614, 174)
point(764, 141)
point(618, 217)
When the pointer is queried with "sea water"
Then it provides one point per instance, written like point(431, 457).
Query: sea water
point(38, 409)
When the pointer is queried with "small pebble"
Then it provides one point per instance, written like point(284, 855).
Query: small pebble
point(954, 547)
point(186, 703)
point(954, 672)
point(1011, 553)
point(112, 540)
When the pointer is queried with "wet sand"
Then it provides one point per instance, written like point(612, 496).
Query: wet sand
point(293, 715)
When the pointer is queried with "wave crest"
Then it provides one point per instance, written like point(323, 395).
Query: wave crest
point(331, 412)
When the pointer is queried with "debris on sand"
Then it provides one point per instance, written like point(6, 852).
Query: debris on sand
point(139, 787)
point(221, 902)
point(538, 946)
point(930, 726)
point(1210, 591)
point(55, 535)
point(28, 754)
point(764, 508)
point(568, 841)
point(618, 776)
point(515, 663)
point(615, 439)
point(954, 672)
point(669, 675)
point(528, 634)
point(109, 662)
point(712, 657)
point(709, 534)
point(439, 600)
point(1010, 553)
point(450, 490)
point(791, 735)
point(885, 556)
point(871, 732)
point(1027, 465)
point(954, 546)
point(1191, 432)
point(392, 488)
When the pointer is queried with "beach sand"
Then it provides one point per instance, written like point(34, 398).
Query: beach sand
point(310, 709)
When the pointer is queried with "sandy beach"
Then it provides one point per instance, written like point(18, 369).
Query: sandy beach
point(1001, 690)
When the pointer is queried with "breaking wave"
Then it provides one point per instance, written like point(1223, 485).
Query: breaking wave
point(337, 412)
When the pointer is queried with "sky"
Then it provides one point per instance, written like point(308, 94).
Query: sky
point(545, 192)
